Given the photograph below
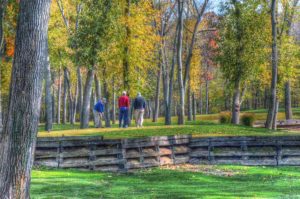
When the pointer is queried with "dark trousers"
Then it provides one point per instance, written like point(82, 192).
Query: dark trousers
point(123, 115)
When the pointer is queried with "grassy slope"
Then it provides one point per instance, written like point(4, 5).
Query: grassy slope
point(209, 182)
point(206, 125)
point(197, 129)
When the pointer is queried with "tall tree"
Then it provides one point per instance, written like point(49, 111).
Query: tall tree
point(20, 130)
point(73, 11)
point(183, 78)
point(157, 93)
point(59, 96)
point(89, 41)
point(48, 97)
point(85, 109)
point(243, 38)
point(273, 98)
point(287, 23)
point(179, 61)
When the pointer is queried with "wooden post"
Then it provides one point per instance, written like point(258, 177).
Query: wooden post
point(141, 156)
point(157, 150)
point(211, 157)
point(278, 154)
point(92, 157)
point(60, 157)
point(244, 148)
point(123, 157)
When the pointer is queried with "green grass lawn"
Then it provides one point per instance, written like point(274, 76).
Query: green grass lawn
point(205, 125)
point(197, 129)
point(195, 182)
point(172, 182)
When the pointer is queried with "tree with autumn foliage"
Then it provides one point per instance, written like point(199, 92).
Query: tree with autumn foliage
point(242, 45)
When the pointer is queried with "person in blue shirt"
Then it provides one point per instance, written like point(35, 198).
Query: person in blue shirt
point(99, 109)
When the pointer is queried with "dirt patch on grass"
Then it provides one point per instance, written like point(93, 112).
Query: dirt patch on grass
point(206, 169)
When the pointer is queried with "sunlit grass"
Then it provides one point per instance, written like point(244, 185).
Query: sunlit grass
point(204, 182)
point(205, 125)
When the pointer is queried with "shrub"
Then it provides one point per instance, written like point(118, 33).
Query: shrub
point(225, 117)
point(248, 119)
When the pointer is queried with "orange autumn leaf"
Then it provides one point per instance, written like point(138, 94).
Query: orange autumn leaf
point(10, 48)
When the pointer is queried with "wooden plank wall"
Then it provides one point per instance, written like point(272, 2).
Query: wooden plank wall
point(275, 150)
point(94, 153)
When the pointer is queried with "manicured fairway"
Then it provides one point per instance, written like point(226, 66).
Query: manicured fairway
point(184, 182)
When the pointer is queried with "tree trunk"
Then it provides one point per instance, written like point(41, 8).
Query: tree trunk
point(206, 96)
point(65, 97)
point(236, 104)
point(48, 97)
point(190, 105)
point(179, 63)
point(157, 93)
point(274, 123)
point(255, 100)
point(227, 99)
point(114, 103)
point(98, 95)
point(98, 88)
point(71, 101)
point(70, 109)
point(272, 107)
point(169, 85)
point(97, 122)
point(149, 112)
point(53, 105)
point(266, 98)
point(79, 97)
point(194, 106)
point(85, 111)
point(74, 104)
point(201, 101)
point(21, 126)
point(168, 76)
point(126, 48)
point(107, 103)
point(59, 96)
point(288, 101)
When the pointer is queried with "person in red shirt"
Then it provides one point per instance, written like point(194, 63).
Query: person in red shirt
point(124, 105)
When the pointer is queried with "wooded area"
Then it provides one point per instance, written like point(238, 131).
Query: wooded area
point(186, 57)
point(183, 56)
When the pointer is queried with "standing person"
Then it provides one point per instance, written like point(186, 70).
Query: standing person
point(99, 109)
point(139, 108)
point(124, 105)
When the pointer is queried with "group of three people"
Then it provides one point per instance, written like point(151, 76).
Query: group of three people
point(139, 106)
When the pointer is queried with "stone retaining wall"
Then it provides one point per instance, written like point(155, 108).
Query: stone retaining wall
point(94, 153)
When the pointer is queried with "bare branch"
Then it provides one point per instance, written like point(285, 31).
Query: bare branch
point(61, 8)
point(78, 11)
point(191, 47)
